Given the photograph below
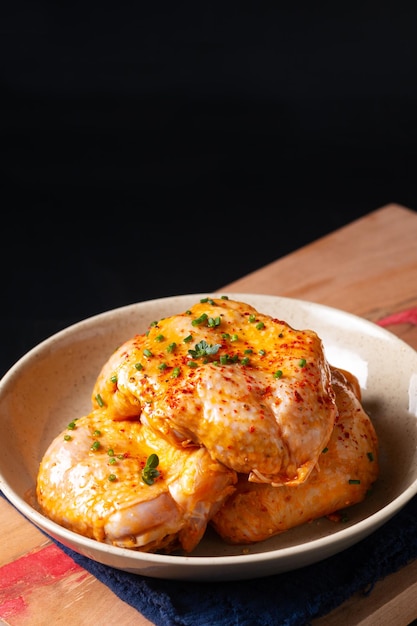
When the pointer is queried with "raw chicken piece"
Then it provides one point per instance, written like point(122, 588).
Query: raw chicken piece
point(346, 470)
point(90, 481)
point(255, 392)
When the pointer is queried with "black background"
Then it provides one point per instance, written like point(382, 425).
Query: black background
point(151, 149)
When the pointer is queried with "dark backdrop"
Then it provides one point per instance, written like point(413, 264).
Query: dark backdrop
point(157, 148)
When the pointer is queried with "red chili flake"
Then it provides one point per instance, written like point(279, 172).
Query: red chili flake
point(297, 396)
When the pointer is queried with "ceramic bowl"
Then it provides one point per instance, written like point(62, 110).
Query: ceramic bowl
point(51, 385)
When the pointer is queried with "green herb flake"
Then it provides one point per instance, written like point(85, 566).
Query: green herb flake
point(149, 472)
point(204, 349)
point(100, 400)
point(213, 322)
point(200, 320)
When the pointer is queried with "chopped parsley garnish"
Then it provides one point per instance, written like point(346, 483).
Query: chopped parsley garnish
point(204, 349)
point(149, 472)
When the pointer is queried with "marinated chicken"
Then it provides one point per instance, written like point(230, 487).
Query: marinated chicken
point(346, 470)
point(95, 480)
point(219, 415)
point(252, 390)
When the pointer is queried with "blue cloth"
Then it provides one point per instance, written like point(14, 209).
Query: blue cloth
point(286, 599)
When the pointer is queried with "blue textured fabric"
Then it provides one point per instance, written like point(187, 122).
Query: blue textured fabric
point(287, 599)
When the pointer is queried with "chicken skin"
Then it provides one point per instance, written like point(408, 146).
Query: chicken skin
point(94, 480)
point(253, 391)
point(346, 470)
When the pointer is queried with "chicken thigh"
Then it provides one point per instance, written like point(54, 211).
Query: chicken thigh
point(119, 483)
point(346, 470)
point(252, 390)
